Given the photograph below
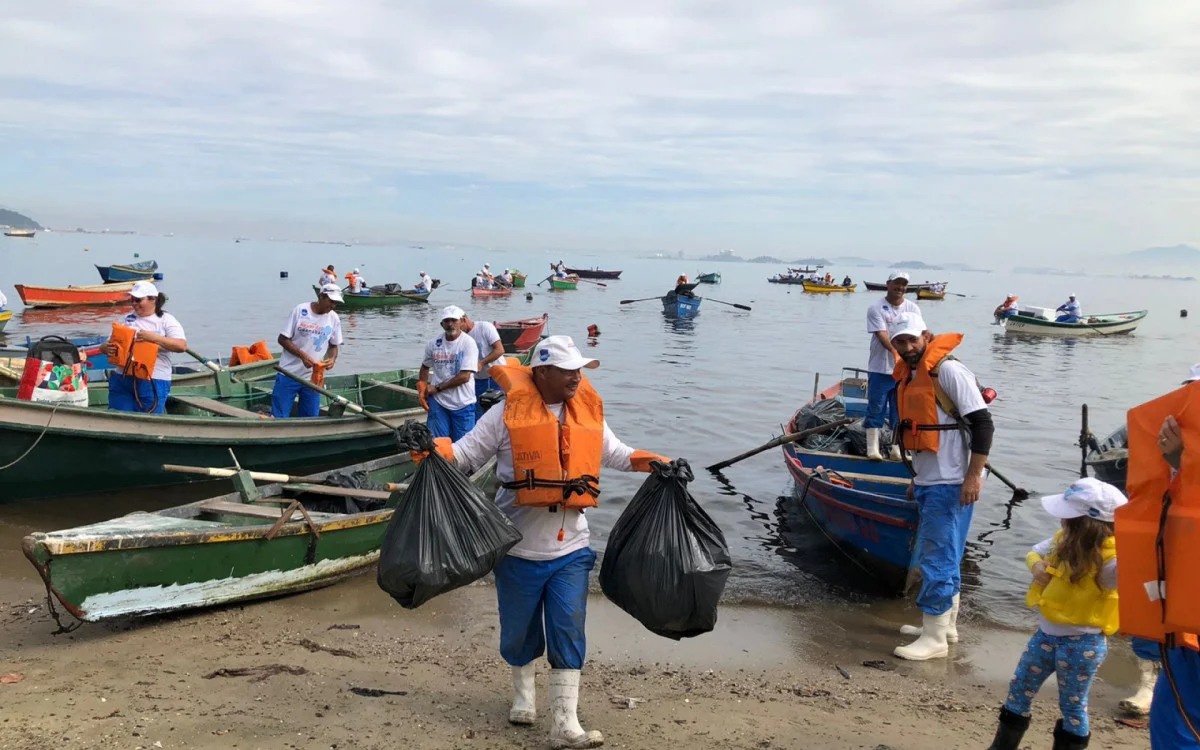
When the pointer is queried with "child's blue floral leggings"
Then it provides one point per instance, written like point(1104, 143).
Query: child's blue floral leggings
point(1075, 659)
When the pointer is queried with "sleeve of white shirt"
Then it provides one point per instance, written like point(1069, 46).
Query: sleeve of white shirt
point(482, 442)
point(1043, 547)
point(875, 321)
point(289, 326)
point(470, 359)
point(172, 328)
point(1108, 575)
point(335, 338)
point(616, 454)
point(490, 337)
point(959, 384)
point(428, 360)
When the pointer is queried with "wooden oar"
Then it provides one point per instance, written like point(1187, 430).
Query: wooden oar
point(258, 476)
point(543, 281)
point(643, 299)
point(731, 304)
point(343, 401)
point(203, 360)
point(597, 283)
point(1019, 493)
point(782, 440)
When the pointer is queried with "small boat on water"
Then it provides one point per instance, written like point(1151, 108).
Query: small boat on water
point(91, 450)
point(75, 296)
point(1109, 459)
point(5, 316)
point(681, 305)
point(389, 295)
point(500, 291)
point(709, 278)
point(571, 282)
point(519, 279)
point(859, 504)
point(519, 335)
point(913, 288)
point(591, 273)
point(781, 279)
point(930, 296)
point(1103, 324)
point(132, 272)
point(20, 233)
point(279, 538)
point(813, 287)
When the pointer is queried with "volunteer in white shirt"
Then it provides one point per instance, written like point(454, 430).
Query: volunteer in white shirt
point(487, 338)
point(445, 380)
point(947, 430)
point(542, 584)
point(328, 276)
point(358, 284)
point(425, 284)
point(881, 406)
point(310, 338)
point(156, 326)
point(506, 278)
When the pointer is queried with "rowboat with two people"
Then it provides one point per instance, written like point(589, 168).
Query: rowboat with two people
point(859, 504)
point(75, 296)
point(1041, 322)
point(386, 295)
point(932, 294)
point(820, 287)
point(709, 278)
point(68, 450)
point(496, 291)
point(291, 535)
point(146, 269)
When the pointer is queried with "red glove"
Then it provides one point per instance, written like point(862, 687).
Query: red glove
point(443, 445)
point(641, 460)
point(422, 387)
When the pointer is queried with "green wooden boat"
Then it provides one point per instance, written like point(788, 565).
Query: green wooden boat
point(571, 282)
point(12, 367)
point(378, 298)
point(519, 279)
point(235, 547)
point(74, 450)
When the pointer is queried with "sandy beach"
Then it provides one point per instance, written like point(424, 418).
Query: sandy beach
point(306, 672)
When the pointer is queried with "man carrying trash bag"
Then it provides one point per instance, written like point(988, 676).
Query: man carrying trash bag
point(550, 440)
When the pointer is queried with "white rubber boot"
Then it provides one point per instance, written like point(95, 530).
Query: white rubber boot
point(564, 706)
point(1139, 703)
point(873, 444)
point(931, 644)
point(524, 704)
point(894, 452)
point(951, 634)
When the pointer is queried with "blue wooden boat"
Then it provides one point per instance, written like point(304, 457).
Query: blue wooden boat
point(709, 278)
point(675, 306)
point(859, 504)
point(131, 272)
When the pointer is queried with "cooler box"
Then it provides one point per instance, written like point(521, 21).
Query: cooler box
point(1045, 313)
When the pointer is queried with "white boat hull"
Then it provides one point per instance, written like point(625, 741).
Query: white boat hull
point(1106, 325)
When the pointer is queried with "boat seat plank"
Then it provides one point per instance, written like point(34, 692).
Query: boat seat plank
point(321, 489)
point(241, 509)
point(216, 407)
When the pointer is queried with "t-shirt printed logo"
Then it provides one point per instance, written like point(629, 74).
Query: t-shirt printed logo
point(131, 317)
point(304, 313)
point(437, 342)
point(544, 355)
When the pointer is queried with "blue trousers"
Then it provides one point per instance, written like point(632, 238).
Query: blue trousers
point(151, 395)
point(941, 540)
point(544, 603)
point(1074, 659)
point(1067, 319)
point(443, 422)
point(482, 387)
point(284, 394)
point(881, 401)
point(1175, 719)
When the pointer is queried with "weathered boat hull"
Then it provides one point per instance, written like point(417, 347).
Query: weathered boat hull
point(929, 296)
point(709, 278)
point(519, 335)
point(675, 306)
point(591, 273)
point(1108, 324)
point(127, 567)
point(477, 293)
point(4, 318)
point(360, 301)
point(880, 286)
point(519, 280)
point(75, 296)
point(132, 272)
point(785, 280)
point(812, 288)
point(564, 284)
point(26, 233)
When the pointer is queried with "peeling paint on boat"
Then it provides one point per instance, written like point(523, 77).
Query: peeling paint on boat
point(158, 599)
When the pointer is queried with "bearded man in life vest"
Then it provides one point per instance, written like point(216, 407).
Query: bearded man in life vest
point(946, 431)
point(550, 440)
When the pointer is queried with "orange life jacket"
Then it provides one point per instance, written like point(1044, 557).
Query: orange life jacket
point(1162, 510)
point(244, 355)
point(553, 463)
point(136, 358)
point(681, 280)
point(917, 398)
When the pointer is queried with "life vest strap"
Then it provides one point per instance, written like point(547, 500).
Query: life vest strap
point(587, 484)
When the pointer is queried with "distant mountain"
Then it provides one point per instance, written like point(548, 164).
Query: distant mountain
point(764, 259)
point(812, 262)
point(917, 265)
point(17, 221)
point(1185, 254)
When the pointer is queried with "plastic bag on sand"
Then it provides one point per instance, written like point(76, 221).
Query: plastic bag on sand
point(666, 562)
point(445, 533)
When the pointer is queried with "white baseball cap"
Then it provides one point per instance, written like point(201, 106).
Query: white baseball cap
point(560, 351)
point(487, 265)
point(453, 312)
point(1193, 374)
point(1086, 497)
point(422, 273)
point(333, 292)
point(354, 271)
point(907, 324)
point(898, 275)
point(143, 289)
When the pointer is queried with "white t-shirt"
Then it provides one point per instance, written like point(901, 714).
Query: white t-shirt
point(445, 359)
point(1107, 580)
point(484, 334)
point(358, 285)
point(3, 300)
point(879, 314)
point(164, 326)
point(425, 283)
point(949, 464)
point(327, 278)
point(539, 527)
point(312, 334)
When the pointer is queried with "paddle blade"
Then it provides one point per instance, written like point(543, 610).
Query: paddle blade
point(742, 307)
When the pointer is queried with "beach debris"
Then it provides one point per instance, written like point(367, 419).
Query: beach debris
point(811, 692)
point(842, 672)
point(257, 674)
point(343, 626)
point(11, 678)
point(376, 692)
point(1133, 722)
point(623, 702)
point(881, 664)
point(113, 715)
point(315, 647)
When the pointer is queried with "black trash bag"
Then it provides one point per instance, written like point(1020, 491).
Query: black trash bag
point(490, 398)
point(820, 413)
point(445, 533)
point(356, 480)
point(856, 434)
point(666, 562)
point(391, 288)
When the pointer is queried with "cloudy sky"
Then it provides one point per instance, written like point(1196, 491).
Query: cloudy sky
point(943, 127)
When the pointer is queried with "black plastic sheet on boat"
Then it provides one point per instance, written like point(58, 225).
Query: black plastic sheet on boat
point(666, 562)
point(355, 480)
point(820, 413)
point(445, 533)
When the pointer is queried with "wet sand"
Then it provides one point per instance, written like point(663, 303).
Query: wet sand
point(766, 678)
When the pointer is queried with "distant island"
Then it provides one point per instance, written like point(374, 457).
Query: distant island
point(916, 265)
point(1174, 255)
point(764, 259)
point(1043, 271)
point(17, 221)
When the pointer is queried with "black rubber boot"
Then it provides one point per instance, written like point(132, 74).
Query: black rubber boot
point(1064, 740)
point(1011, 730)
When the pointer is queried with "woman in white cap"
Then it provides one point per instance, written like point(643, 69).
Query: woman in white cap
point(138, 384)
